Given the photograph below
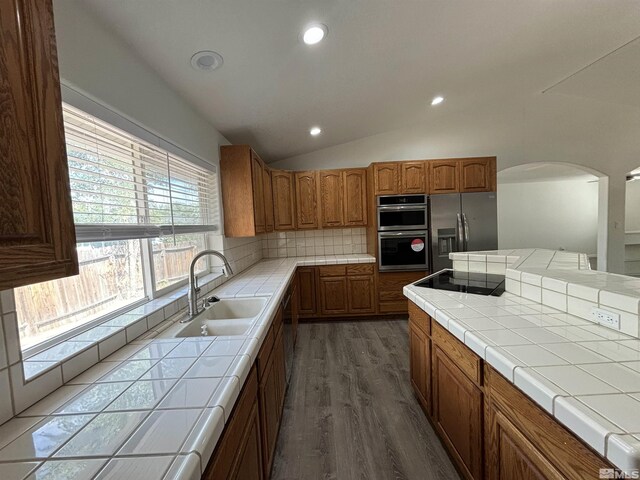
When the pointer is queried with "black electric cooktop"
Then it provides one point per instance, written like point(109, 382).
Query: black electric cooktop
point(465, 282)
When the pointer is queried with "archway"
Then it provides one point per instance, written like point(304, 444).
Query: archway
point(549, 205)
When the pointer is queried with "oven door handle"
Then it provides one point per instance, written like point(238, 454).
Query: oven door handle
point(416, 206)
point(410, 233)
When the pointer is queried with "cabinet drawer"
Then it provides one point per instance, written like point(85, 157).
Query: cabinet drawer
point(419, 317)
point(333, 270)
point(393, 307)
point(360, 269)
point(462, 357)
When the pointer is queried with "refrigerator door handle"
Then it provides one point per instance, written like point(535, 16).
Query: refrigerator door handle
point(459, 234)
point(466, 232)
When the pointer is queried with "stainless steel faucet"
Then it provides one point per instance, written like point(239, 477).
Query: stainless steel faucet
point(193, 280)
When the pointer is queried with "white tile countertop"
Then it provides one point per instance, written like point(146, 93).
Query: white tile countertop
point(586, 375)
point(155, 408)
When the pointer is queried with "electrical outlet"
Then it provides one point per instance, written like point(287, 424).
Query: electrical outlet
point(606, 318)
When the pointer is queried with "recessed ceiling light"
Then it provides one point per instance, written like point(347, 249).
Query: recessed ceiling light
point(206, 61)
point(314, 34)
point(437, 100)
point(315, 131)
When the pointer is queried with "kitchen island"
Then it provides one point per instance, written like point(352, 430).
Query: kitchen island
point(541, 337)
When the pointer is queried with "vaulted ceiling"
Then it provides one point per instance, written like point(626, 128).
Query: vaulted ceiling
point(379, 66)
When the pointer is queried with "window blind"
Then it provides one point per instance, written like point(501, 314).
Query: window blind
point(123, 187)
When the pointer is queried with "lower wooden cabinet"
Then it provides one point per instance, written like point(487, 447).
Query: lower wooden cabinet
point(271, 390)
point(420, 365)
point(457, 413)
point(525, 442)
point(390, 285)
point(238, 454)
point(333, 295)
point(489, 427)
point(361, 294)
point(307, 295)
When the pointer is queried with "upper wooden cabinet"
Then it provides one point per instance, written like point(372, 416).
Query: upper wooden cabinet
point(386, 178)
point(462, 175)
point(395, 178)
point(268, 200)
point(306, 188)
point(477, 174)
point(37, 235)
point(331, 198)
point(354, 197)
point(284, 210)
point(443, 176)
point(413, 177)
point(257, 172)
point(343, 198)
point(241, 175)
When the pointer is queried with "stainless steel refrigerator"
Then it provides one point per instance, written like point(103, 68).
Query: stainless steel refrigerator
point(462, 222)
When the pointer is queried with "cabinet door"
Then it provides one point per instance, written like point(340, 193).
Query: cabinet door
point(386, 178)
point(361, 294)
point(443, 176)
point(283, 200)
point(420, 366)
point(308, 305)
point(457, 413)
point(268, 200)
point(478, 175)
point(280, 368)
point(331, 198)
point(258, 193)
point(269, 395)
point(413, 177)
point(333, 295)
point(306, 187)
point(512, 455)
point(37, 236)
point(354, 197)
point(249, 466)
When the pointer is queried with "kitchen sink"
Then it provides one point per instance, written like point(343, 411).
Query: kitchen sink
point(229, 316)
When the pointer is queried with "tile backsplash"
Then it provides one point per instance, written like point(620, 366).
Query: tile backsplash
point(314, 242)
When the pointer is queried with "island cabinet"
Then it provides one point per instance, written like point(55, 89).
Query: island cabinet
point(457, 401)
point(284, 209)
point(306, 191)
point(488, 426)
point(420, 355)
point(525, 442)
point(238, 455)
point(37, 235)
point(243, 192)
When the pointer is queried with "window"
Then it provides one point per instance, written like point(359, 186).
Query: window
point(141, 214)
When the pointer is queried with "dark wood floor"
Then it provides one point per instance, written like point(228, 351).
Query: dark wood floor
point(350, 412)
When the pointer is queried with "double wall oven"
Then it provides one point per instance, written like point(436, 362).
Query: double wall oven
point(403, 232)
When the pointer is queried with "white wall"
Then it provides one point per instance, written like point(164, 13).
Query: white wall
point(553, 214)
point(632, 210)
point(101, 66)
